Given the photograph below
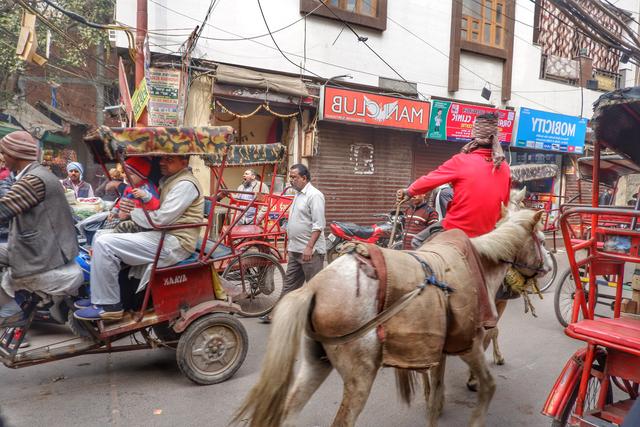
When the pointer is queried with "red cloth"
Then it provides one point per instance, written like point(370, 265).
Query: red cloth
point(4, 173)
point(478, 190)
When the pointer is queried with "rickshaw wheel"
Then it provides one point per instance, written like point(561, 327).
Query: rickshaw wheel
point(259, 287)
point(564, 296)
point(591, 398)
point(545, 282)
point(212, 348)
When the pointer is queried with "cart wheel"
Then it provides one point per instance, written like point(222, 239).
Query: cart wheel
point(564, 297)
point(547, 280)
point(212, 348)
point(258, 279)
point(591, 397)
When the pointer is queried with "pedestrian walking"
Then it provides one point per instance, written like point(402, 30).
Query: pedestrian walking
point(305, 232)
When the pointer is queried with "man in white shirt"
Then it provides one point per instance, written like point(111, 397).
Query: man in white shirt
point(305, 232)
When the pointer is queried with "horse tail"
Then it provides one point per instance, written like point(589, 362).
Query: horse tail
point(264, 406)
point(406, 382)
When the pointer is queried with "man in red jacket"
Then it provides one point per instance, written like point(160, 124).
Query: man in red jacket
point(480, 179)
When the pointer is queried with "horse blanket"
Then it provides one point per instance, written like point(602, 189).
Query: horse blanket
point(435, 322)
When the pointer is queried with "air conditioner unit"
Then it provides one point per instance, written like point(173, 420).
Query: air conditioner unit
point(112, 38)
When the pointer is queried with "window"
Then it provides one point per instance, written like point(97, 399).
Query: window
point(367, 13)
point(360, 7)
point(483, 22)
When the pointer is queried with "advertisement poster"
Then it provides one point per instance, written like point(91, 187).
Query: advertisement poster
point(366, 108)
point(543, 130)
point(163, 102)
point(140, 99)
point(453, 121)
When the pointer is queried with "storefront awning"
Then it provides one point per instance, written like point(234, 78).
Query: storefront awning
point(32, 120)
point(238, 76)
point(7, 128)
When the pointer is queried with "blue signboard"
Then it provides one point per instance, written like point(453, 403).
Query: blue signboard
point(550, 131)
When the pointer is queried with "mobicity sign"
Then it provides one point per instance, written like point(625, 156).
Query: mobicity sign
point(543, 130)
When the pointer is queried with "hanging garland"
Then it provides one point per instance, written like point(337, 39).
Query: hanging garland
point(254, 112)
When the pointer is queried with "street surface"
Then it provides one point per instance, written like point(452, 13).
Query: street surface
point(145, 388)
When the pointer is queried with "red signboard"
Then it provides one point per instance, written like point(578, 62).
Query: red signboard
point(366, 108)
point(453, 121)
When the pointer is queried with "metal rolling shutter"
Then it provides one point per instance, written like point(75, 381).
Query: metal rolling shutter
point(352, 197)
point(427, 157)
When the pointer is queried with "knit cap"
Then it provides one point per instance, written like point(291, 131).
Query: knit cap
point(20, 145)
point(141, 166)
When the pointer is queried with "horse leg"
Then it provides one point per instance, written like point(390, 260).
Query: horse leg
point(434, 391)
point(486, 385)
point(314, 369)
point(358, 366)
point(498, 359)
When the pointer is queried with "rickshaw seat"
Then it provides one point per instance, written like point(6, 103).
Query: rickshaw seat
point(243, 230)
point(220, 252)
point(623, 332)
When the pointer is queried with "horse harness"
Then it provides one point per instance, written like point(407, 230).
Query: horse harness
point(373, 265)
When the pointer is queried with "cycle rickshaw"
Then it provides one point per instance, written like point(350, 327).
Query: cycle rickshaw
point(184, 306)
point(599, 383)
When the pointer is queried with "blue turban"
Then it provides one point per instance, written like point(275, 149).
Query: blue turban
point(77, 166)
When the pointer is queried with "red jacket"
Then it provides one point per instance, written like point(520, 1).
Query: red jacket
point(478, 190)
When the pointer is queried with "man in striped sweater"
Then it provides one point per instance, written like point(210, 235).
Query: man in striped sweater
point(42, 244)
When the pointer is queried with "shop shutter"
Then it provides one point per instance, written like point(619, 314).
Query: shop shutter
point(355, 197)
point(428, 156)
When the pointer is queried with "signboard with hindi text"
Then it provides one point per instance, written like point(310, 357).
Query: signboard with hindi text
point(453, 121)
point(346, 105)
point(543, 130)
point(164, 85)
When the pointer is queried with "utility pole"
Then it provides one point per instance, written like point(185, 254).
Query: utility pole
point(141, 33)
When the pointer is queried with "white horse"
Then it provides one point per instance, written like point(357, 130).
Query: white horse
point(273, 401)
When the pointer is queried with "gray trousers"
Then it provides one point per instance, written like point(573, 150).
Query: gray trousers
point(110, 250)
point(299, 272)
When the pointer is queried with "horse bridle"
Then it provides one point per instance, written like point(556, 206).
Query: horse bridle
point(536, 269)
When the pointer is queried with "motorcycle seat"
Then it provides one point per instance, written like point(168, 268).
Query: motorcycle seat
point(351, 229)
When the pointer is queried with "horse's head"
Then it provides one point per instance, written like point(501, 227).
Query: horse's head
point(516, 199)
point(518, 240)
point(532, 259)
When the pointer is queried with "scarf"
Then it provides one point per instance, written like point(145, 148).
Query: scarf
point(485, 134)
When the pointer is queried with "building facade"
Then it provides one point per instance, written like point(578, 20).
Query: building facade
point(504, 54)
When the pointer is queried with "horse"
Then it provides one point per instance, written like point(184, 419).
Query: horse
point(320, 305)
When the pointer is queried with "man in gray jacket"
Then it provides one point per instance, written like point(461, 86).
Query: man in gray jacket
point(42, 244)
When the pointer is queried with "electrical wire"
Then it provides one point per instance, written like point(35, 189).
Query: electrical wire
point(264, 18)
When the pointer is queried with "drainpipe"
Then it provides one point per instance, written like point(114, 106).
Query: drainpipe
point(141, 32)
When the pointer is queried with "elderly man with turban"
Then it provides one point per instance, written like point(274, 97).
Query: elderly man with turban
point(42, 244)
point(480, 179)
point(74, 181)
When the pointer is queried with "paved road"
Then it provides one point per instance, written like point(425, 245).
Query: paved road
point(145, 388)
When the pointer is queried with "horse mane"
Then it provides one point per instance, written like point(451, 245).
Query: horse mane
point(506, 240)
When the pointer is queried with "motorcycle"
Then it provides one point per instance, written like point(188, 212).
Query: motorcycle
point(378, 234)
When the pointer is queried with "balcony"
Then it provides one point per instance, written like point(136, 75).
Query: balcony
point(567, 71)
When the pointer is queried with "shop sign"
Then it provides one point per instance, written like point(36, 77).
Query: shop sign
point(345, 105)
point(163, 102)
point(550, 131)
point(140, 99)
point(453, 121)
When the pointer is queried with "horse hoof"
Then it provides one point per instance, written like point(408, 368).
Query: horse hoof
point(500, 361)
point(472, 386)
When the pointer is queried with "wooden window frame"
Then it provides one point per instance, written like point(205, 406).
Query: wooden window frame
point(457, 45)
point(484, 38)
point(378, 22)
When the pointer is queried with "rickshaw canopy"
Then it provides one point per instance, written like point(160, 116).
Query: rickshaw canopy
point(214, 144)
point(616, 121)
point(612, 167)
